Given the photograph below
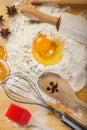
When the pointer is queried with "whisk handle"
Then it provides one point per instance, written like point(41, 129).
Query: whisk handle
point(68, 120)
point(72, 123)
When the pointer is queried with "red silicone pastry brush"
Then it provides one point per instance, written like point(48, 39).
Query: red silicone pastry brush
point(23, 117)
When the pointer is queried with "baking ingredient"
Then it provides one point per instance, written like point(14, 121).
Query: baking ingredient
point(1, 19)
point(75, 30)
point(5, 32)
point(4, 70)
point(3, 52)
point(47, 52)
point(41, 42)
point(64, 93)
point(11, 11)
point(23, 117)
point(20, 59)
point(19, 50)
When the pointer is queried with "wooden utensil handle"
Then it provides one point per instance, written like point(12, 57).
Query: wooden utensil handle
point(61, 1)
point(75, 125)
point(40, 16)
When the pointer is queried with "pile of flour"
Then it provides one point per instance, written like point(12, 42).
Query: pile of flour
point(19, 49)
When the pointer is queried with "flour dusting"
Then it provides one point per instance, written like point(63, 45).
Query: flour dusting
point(19, 49)
point(20, 59)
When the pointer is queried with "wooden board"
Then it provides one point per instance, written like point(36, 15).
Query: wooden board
point(52, 121)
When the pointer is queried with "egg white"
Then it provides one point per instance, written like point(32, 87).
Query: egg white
point(20, 58)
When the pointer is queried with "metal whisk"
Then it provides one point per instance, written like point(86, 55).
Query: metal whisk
point(22, 89)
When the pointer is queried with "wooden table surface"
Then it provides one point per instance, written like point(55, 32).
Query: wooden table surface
point(52, 120)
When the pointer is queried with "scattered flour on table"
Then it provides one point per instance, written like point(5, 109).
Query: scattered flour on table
point(19, 49)
point(20, 59)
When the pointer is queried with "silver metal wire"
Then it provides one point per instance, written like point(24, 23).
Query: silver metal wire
point(22, 89)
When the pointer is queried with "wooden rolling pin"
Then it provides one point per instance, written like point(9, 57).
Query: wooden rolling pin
point(28, 9)
point(71, 2)
point(75, 29)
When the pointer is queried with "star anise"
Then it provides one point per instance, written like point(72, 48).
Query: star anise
point(11, 11)
point(5, 32)
point(1, 19)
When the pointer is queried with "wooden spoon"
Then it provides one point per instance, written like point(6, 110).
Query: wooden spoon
point(55, 86)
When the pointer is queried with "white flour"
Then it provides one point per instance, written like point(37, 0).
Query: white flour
point(19, 50)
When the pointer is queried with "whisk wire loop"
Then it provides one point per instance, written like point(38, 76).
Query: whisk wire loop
point(22, 91)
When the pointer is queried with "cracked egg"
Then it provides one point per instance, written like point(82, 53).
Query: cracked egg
point(46, 51)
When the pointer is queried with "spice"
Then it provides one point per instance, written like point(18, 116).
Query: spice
point(54, 87)
point(11, 11)
point(1, 19)
point(48, 88)
point(52, 83)
point(23, 60)
point(5, 32)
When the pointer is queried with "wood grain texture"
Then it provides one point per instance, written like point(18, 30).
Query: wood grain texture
point(61, 1)
point(52, 121)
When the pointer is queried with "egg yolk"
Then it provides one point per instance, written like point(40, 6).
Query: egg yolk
point(45, 51)
point(39, 43)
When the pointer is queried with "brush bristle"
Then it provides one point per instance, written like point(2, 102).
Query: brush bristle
point(18, 114)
